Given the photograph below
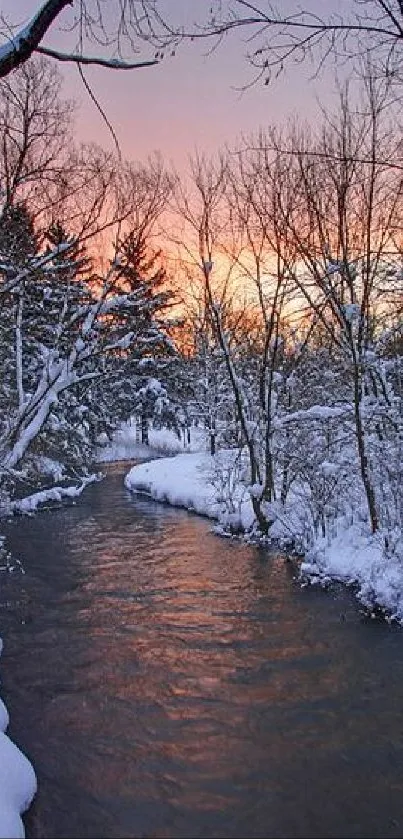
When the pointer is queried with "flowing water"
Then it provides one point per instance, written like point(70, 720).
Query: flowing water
point(169, 683)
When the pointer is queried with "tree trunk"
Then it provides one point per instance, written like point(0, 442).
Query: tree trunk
point(19, 354)
point(144, 430)
point(362, 456)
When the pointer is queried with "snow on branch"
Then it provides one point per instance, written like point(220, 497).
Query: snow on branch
point(54, 494)
point(318, 412)
point(42, 262)
point(20, 47)
point(110, 63)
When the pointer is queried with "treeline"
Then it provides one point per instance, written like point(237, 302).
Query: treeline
point(297, 236)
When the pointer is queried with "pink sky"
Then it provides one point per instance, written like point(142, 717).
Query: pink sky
point(189, 102)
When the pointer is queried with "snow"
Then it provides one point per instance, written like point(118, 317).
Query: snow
point(351, 311)
point(255, 490)
point(32, 502)
point(355, 557)
point(49, 467)
point(180, 481)
point(317, 412)
point(17, 782)
point(13, 44)
point(124, 444)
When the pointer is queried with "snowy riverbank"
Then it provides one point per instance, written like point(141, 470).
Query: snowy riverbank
point(180, 481)
point(351, 555)
point(17, 782)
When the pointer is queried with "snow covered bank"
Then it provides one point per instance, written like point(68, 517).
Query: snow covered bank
point(350, 555)
point(355, 557)
point(17, 782)
point(180, 481)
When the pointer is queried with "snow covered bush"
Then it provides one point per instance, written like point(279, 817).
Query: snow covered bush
point(228, 475)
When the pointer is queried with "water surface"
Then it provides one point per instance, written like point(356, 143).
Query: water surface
point(169, 683)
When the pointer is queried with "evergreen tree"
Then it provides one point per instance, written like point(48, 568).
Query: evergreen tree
point(132, 385)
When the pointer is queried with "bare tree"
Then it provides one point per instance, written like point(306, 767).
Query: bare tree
point(35, 125)
point(234, 219)
point(84, 188)
point(39, 163)
point(263, 260)
point(344, 221)
point(143, 192)
point(199, 243)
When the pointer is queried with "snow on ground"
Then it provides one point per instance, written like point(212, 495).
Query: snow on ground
point(17, 782)
point(355, 557)
point(50, 468)
point(351, 555)
point(124, 445)
point(180, 481)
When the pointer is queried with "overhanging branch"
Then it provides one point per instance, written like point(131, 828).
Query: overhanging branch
point(111, 64)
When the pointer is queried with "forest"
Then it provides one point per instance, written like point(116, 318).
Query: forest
point(259, 297)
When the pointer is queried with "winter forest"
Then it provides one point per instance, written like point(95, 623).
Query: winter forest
point(260, 300)
point(246, 314)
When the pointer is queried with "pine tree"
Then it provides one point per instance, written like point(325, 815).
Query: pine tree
point(133, 386)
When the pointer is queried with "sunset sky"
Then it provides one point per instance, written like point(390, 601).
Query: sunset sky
point(190, 101)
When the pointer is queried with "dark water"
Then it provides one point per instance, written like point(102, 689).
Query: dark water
point(168, 683)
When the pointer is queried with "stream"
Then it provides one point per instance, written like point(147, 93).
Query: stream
point(166, 682)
